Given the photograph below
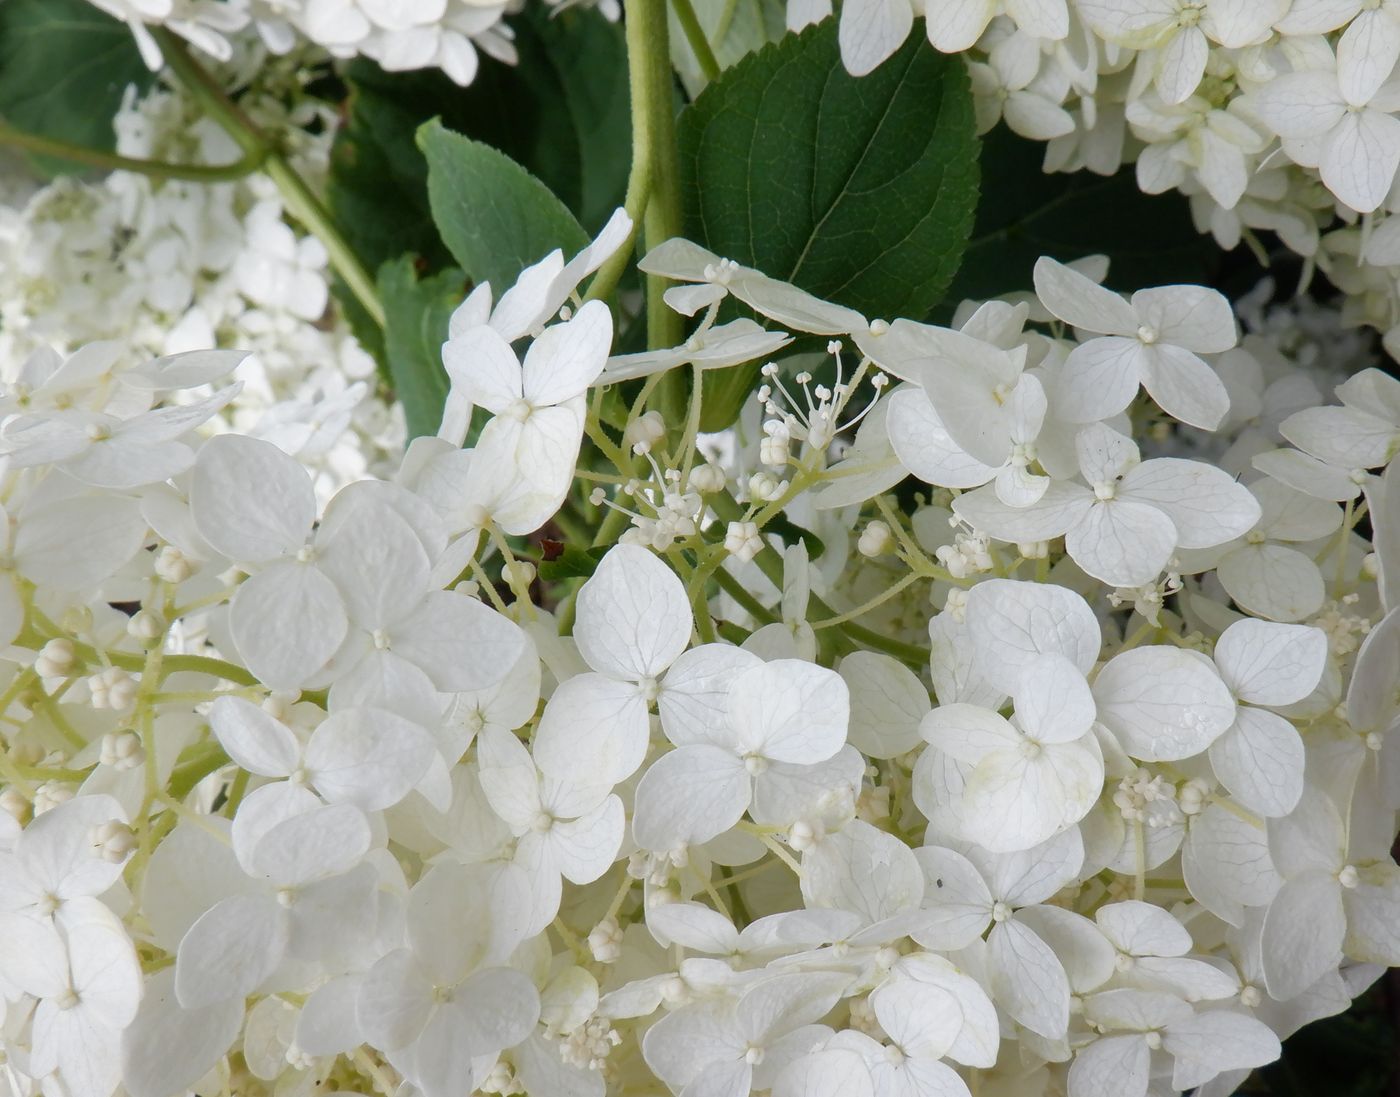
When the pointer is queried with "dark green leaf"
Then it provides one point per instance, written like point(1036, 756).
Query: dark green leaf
point(494, 216)
point(572, 563)
point(416, 316)
point(562, 113)
point(1025, 213)
point(64, 66)
point(791, 533)
point(861, 191)
point(378, 185)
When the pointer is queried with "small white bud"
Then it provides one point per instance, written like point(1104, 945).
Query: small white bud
point(145, 625)
point(876, 539)
point(743, 540)
point(706, 479)
point(172, 565)
point(646, 429)
point(55, 658)
point(605, 942)
point(122, 750)
point(50, 794)
point(113, 841)
point(518, 574)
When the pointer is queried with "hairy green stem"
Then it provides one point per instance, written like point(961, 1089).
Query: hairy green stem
point(111, 161)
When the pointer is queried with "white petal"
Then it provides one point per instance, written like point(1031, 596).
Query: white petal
point(32, 956)
point(1273, 581)
point(250, 500)
point(105, 972)
point(887, 703)
point(871, 31)
point(1227, 865)
point(459, 642)
point(1269, 664)
point(1057, 510)
point(694, 694)
point(368, 757)
point(1360, 158)
point(1013, 802)
point(922, 1018)
point(1012, 623)
point(633, 616)
point(375, 559)
point(254, 739)
point(862, 869)
point(1181, 63)
point(1080, 302)
point(1053, 701)
point(1184, 386)
point(1205, 504)
point(968, 733)
point(1028, 980)
point(832, 1072)
point(1347, 437)
point(567, 358)
point(953, 28)
point(593, 730)
point(1142, 929)
point(584, 848)
point(1303, 931)
point(790, 711)
point(312, 845)
point(76, 544)
point(689, 796)
point(1300, 104)
point(924, 447)
point(694, 927)
point(287, 622)
point(1163, 703)
point(1366, 54)
point(483, 368)
point(395, 998)
point(1099, 379)
point(1123, 542)
point(956, 893)
point(1112, 1066)
point(233, 947)
point(1214, 1041)
point(168, 1048)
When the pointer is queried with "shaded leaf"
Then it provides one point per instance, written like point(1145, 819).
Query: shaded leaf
point(416, 317)
point(494, 216)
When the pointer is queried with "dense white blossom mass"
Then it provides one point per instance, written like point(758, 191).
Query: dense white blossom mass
point(1004, 708)
point(323, 804)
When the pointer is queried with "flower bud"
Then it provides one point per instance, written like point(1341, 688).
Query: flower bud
point(55, 659)
point(145, 626)
point(172, 565)
point(707, 479)
point(648, 429)
point(113, 841)
point(875, 540)
point(50, 794)
point(122, 750)
point(743, 540)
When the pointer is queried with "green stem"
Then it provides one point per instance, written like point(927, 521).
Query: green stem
point(110, 161)
point(654, 137)
point(695, 35)
point(300, 200)
point(736, 590)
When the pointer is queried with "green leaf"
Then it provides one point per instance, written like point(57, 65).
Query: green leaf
point(562, 113)
point(416, 317)
point(64, 66)
point(378, 184)
point(1025, 213)
point(861, 191)
point(493, 215)
point(572, 563)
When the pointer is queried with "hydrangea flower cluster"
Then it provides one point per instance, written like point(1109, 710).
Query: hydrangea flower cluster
point(161, 266)
point(1076, 776)
point(1273, 116)
point(399, 34)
